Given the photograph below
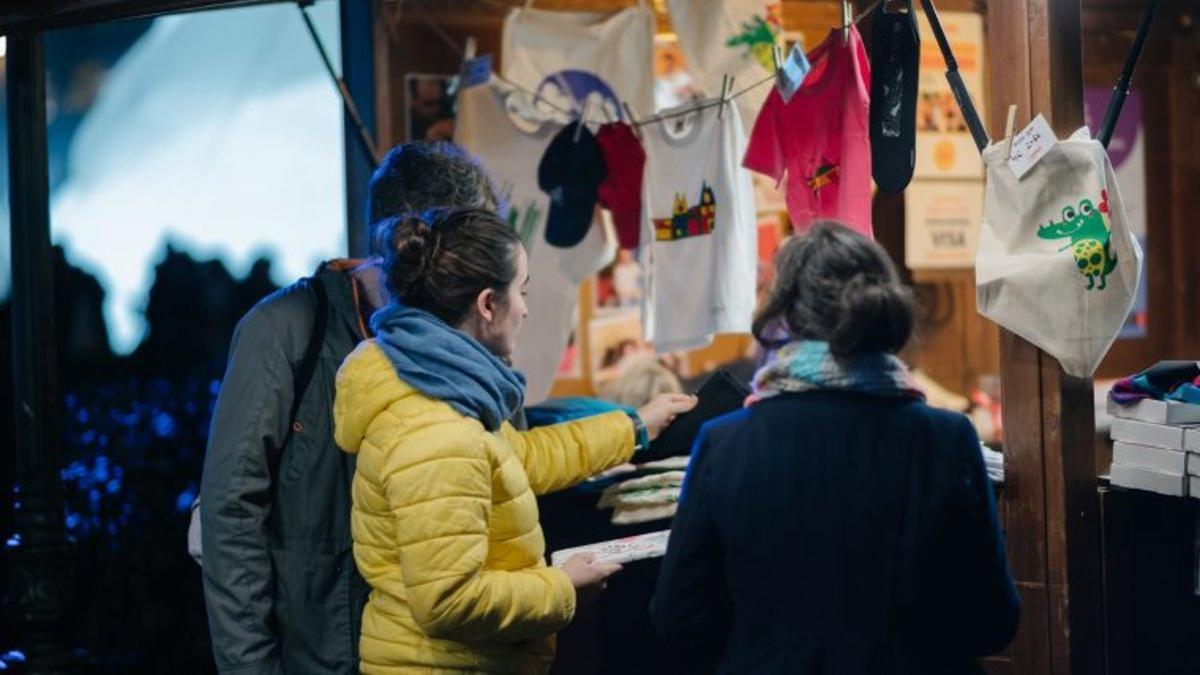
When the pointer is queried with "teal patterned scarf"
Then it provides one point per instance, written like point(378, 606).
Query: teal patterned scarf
point(810, 366)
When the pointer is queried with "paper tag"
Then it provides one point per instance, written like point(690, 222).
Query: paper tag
point(791, 74)
point(1030, 146)
point(476, 71)
point(638, 547)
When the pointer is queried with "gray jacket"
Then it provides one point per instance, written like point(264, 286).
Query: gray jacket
point(280, 583)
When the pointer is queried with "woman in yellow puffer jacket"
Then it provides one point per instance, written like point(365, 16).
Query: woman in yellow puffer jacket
point(444, 518)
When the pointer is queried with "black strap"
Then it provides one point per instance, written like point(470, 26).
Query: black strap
point(1122, 89)
point(957, 87)
point(312, 352)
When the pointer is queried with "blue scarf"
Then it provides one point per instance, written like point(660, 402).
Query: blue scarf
point(444, 363)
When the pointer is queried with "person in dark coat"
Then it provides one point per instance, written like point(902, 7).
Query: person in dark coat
point(837, 524)
point(280, 583)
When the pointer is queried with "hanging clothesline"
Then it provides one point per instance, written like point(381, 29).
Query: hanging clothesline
point(633, 122)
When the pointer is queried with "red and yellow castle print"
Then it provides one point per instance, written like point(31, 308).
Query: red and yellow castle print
point(688, 221)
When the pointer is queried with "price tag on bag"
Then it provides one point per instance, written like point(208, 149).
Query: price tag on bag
point(1031, 145)
point(476, 71)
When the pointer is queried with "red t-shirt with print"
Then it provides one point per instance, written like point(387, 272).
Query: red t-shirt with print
point(820, 139)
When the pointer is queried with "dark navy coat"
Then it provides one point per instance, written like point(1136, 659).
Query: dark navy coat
point(836, 533)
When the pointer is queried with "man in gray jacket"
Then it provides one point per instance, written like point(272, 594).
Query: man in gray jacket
point(280, 583)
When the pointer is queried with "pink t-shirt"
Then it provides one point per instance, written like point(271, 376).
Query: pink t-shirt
point(820, 138)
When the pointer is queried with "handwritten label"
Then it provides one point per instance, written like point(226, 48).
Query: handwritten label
point(476, 71)
point(637, 547)
point(1030, 146)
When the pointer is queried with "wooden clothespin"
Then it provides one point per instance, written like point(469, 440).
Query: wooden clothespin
point(633, 123)
point(847, 20)
point(1008, 130)
point(724, 93)
point(582, 118)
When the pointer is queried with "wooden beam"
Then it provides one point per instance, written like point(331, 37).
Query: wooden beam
point(358, 72)
point(1184, 102)
point(1053, 524)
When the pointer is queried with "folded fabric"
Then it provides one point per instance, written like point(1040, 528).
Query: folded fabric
point(1165, 380)
point(566, 409)
point(651, 497)
point(631, 515)
point(669, 464)
point(993, 462)
point(644, 485)
point(1186, 393)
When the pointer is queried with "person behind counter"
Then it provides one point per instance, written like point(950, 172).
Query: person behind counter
point(444, 519)
point(838, 523)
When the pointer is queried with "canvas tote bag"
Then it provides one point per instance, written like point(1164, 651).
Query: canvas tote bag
point(1057, 263)
point(571, 57)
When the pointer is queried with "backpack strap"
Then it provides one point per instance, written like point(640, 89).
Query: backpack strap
point(312, 352)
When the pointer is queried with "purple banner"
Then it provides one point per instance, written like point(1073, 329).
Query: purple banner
point(1095, 104)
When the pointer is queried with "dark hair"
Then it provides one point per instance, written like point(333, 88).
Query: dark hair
point(441, 260)
point(417, 176)
point(836, 286)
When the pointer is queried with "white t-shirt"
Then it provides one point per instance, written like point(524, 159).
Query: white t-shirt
point(508, 138)
point(699, 220)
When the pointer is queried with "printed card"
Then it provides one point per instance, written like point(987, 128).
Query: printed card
point(638, 547)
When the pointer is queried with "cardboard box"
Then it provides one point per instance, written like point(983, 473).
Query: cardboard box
point(1149, 433)
point(1149, 457)
point(1191, 440)
point(1146, 479)
point(1193, 465)
point(1194, 487)
point(1161, 412)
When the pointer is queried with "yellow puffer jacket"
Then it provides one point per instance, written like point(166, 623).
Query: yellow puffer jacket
point(445, 524)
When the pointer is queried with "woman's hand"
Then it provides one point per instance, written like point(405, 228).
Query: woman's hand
point(662, 410)
point(588, 576)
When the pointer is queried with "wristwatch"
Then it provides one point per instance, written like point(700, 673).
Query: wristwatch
point(641, 437)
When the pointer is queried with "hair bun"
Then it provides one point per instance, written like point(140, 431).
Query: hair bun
point(875, 316)
point(408, 254)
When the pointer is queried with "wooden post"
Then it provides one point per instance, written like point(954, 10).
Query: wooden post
point(1053, 525)
point(358, 71)
point(38, 552)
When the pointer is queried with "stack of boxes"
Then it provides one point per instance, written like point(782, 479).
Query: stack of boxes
point(1156, 447)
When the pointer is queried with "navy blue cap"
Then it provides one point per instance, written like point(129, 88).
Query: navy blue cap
point(570, 172)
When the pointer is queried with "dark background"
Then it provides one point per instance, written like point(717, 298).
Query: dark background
point(133, 428)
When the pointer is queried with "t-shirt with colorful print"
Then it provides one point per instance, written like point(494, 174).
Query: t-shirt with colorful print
point(698, 229)
point(820, 139)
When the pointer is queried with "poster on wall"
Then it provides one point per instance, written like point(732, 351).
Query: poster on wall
point(613, 338)
point(945, 148)
point(429, 113)
point(674, 82)
point(942, 221)
point(570, 366)
point(1126, 150)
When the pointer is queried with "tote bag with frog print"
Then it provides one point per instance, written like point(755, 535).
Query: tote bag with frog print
point(1057, 263)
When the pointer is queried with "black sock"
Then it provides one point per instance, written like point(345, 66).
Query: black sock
point(895, 70)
